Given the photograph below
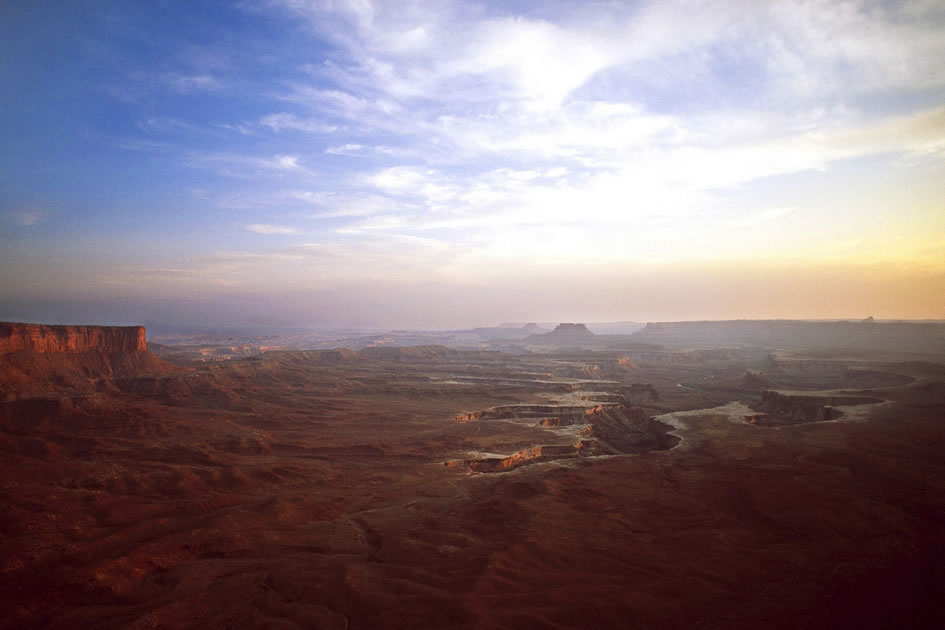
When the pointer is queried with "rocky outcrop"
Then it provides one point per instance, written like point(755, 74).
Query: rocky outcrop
point(639, 393)
point(614, 427)
point(42, 338)
point(36, 358)
point(629, 430)
point(574, 413)
point(571, 330)
point(603, 397)
point(755, 380)
point(533, 455)
point(566, 334)
point(555, 422)
point(782, 409)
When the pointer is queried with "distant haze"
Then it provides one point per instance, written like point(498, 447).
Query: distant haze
point(652, 295)
point(456, 164)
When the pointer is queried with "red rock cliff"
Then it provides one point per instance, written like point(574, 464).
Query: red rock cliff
point(42, 338)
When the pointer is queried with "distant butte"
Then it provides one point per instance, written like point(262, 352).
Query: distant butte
point(565, 334)
point(571, 330)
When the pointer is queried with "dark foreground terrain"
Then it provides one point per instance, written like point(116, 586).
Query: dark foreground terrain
point(433, 488)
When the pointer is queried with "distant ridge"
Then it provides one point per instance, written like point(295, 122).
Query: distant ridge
point(508, 331)
point(852, 336)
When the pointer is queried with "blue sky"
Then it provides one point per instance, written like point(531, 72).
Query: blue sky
point(438, 164)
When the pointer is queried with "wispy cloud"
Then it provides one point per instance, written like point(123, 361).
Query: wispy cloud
point(285, 121)
point(166, 125)
point(266, 228)
point(26, 218)
point(246, 165)
point(192, 82)
point(346, 149)
point(474, 137)
point(241, 129)
point(461, 83)
point(282, 162)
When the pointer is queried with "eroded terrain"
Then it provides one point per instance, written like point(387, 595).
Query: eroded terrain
point(430, 487)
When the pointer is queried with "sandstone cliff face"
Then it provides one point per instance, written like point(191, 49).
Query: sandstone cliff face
point(41, 338)
point(36, 358)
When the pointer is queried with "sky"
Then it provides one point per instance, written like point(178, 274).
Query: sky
point(440, 164)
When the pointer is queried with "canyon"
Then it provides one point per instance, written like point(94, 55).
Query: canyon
point(700, 485)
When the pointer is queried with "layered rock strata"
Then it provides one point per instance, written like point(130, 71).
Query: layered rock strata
point(38, 358)
point(44, 338)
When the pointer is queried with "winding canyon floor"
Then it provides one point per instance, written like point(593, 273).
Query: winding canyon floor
point(341, 489)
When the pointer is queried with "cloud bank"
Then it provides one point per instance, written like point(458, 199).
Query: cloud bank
point(359, 148)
